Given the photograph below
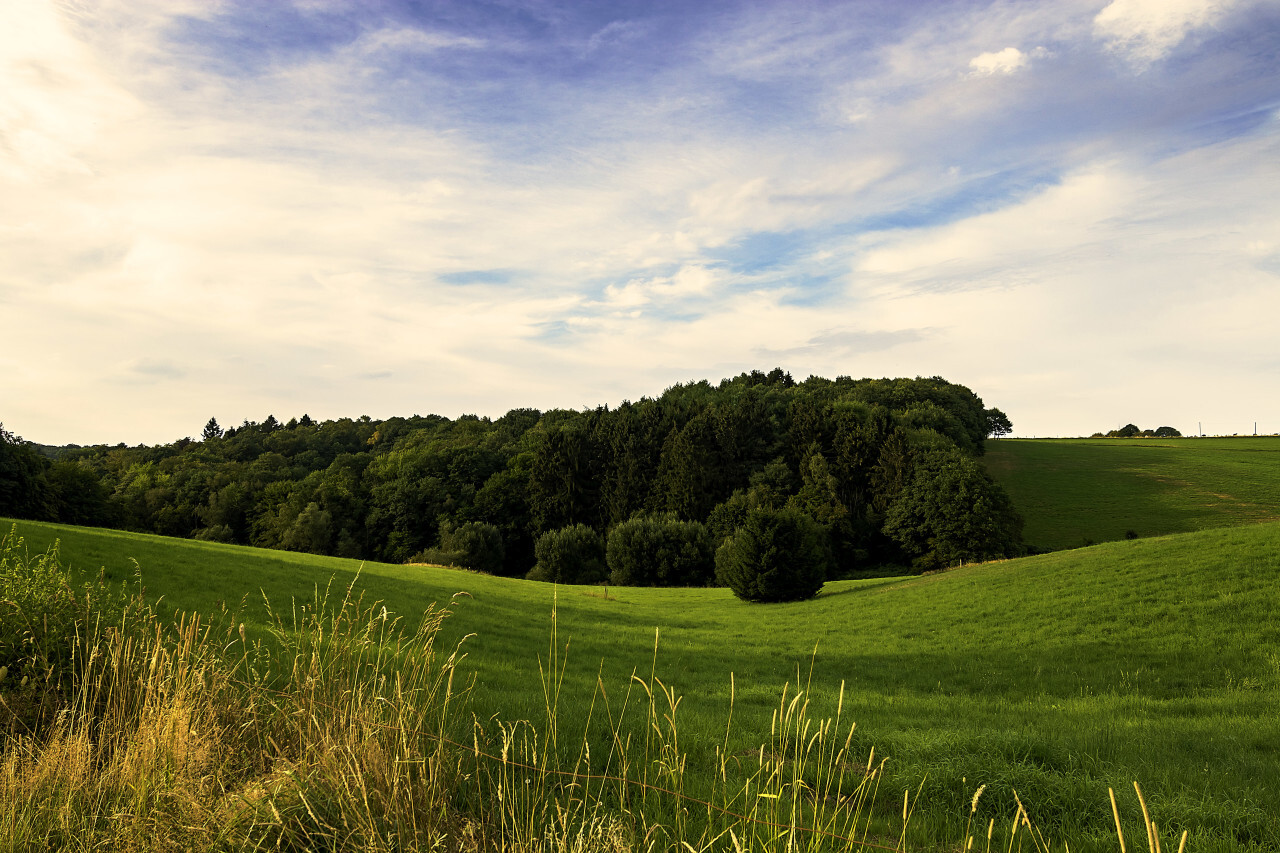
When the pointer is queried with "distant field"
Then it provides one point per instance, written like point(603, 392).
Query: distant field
point(1058, 676)
point(1075, 491)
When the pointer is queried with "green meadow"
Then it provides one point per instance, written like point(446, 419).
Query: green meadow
point(1074, 492)
point(1056, 676)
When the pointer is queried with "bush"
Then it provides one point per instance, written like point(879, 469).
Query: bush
point(569, 555)
point(660, 552)
point(476, 545)
point(42, 613)
point(777, 555)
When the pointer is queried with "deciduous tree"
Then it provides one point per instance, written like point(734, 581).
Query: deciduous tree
point(657, 551)
point(951, 510)
point(573, 554)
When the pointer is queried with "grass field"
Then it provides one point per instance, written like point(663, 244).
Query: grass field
point(1155, 660)
point(1074, 492)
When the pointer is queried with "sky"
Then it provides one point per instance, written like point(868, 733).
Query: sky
point(236, 209)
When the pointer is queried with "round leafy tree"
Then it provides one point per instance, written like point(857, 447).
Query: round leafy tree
point(952, 510)
point(776, 555)
point(660, 552)
point(572, 554)
point(478, 543)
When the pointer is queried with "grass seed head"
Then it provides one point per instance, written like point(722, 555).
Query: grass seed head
point(973, 806)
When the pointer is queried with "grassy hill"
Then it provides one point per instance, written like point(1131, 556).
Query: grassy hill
point(1074, 492)
point(1155, 660)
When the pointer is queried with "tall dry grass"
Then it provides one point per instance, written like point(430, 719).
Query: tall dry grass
point(186, 734)
point(346, 729)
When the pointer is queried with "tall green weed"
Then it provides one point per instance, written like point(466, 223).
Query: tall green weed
point(42, 612)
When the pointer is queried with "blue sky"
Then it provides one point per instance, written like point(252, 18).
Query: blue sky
point(245, 208)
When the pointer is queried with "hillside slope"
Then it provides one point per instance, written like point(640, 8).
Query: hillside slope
point(1073, 492)
point(1057, 676)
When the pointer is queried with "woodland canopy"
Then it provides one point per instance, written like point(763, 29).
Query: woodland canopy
point(884, 467)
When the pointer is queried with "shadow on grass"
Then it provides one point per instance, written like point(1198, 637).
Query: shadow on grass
point(862, 587)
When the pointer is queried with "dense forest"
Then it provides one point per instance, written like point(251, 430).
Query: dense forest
point(886, 469)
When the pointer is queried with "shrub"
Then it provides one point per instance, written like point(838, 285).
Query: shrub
point(215, 533)
point(660, 552)
point(41, 612)
point(437, 557)
point(572, 554)
point(476, 545)
point(776, 555)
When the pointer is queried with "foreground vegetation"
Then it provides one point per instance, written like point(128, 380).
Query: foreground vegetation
point(341, 733)
point(1058, 676)
point(1074, 492)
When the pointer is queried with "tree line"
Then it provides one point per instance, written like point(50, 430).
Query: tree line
point(1132, 431)
point(879, 471)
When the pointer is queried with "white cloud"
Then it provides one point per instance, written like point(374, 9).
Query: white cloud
point(1147, 30)
point(1004, 61)
point(689, 281)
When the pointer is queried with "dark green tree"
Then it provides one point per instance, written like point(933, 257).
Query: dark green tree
point(692, 472)
point(78, 495)
point(656, 551)
point(859, 432)
point(24, 489)
point(998, 423)
point(226, 514)
point(503, 500)
point(748, 434)
point(573, 554)
point(563, 489)
point(631, 437)
point(777, 555)
point(312, 531)
point(963, 419)
point(211, 430)
point(477, 544)
point(405, 506)
point(951, 510)
point(819, 498)
point(728, 516)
